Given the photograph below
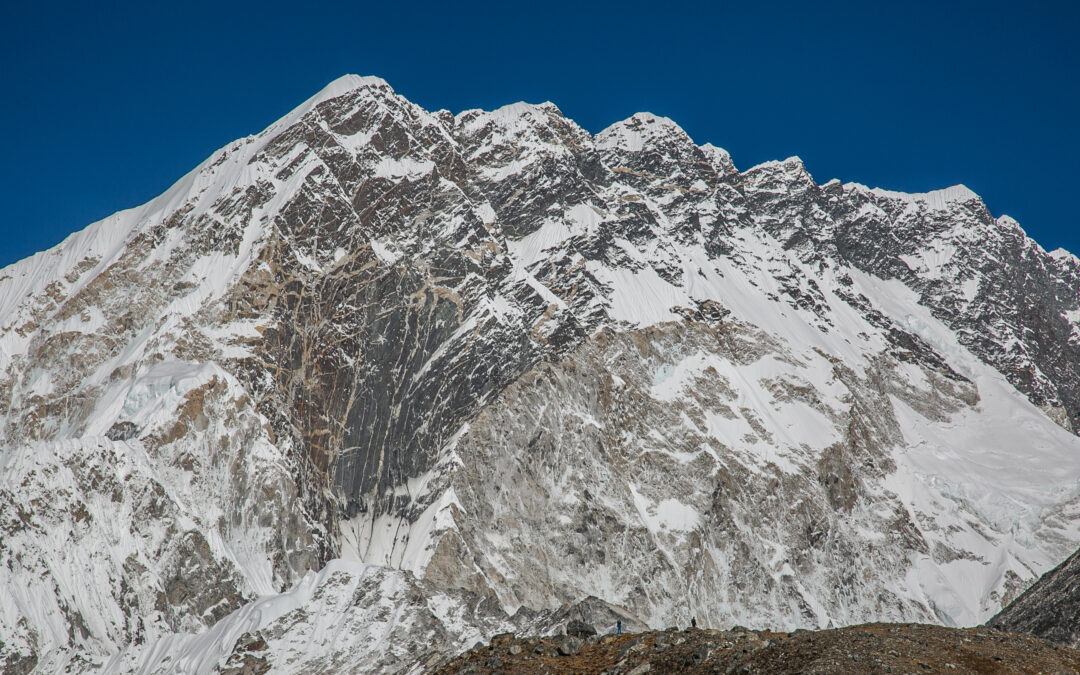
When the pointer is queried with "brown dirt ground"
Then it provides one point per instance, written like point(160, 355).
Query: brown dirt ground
point(869, 648)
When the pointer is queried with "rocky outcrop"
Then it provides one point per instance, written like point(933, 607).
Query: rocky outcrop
point(1050, 609)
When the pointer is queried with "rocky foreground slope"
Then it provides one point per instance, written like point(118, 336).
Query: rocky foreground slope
point(868, 648)
point(468, 369)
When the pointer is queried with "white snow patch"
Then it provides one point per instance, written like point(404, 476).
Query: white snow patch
point(395, 542)
point(641, 298)
point(388, 167)
point(637, 132)
point(385, 253)
point(934, 199)
point(669, 514)
point(1062, 255)
point(528, 249)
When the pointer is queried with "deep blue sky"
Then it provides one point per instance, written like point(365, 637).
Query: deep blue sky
point(105, 104)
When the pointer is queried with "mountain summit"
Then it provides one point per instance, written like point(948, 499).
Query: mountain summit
point(378, 382)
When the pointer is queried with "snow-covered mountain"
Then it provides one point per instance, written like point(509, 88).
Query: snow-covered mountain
point(496, 364)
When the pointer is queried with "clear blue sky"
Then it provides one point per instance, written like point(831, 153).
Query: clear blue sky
point(106, 104)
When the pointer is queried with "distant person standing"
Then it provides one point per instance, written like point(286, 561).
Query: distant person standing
point(618, 626)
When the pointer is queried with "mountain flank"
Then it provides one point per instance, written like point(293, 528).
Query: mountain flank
point(377, 383)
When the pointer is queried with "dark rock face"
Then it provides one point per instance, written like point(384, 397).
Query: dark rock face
point(194, 587)
point(19, 665)
point(378, 357)
point(1050, 609)
point(579, 628)
point(247, 657)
